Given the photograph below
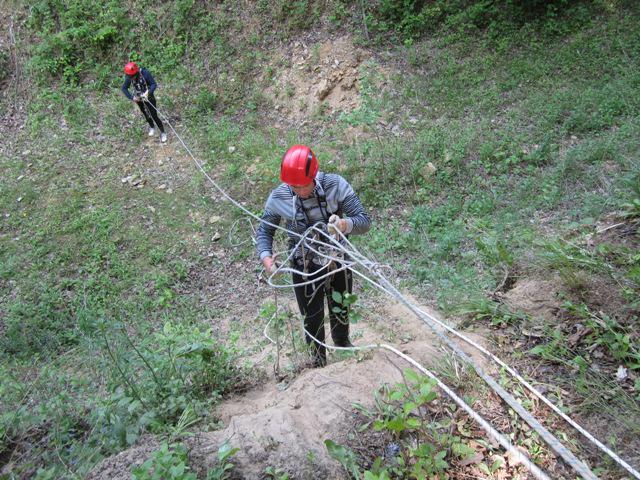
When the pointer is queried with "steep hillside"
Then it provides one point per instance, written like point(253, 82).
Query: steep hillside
point(495, 145)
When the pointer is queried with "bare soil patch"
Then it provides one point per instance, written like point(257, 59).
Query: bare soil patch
point(318, 77)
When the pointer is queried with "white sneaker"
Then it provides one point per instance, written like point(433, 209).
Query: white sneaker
point(152, 131)
point(163, 137)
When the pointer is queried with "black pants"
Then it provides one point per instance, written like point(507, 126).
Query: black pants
point(312, 307)
point(150, 113)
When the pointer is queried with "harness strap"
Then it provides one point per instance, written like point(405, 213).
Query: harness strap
point(140, 84)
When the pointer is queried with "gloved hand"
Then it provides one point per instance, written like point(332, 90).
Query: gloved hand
point(145, 95)
point(336, 224)
point(136, 98)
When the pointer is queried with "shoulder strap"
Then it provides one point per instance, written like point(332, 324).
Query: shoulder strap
point(322, 199)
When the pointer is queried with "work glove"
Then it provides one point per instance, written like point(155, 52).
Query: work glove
point(145, 95)
point(136, 98)
point(336, 224)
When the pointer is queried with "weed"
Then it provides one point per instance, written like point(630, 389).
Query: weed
point(424, 443)
point(496, 313)
point(276, 473)
point(169, 462)
point(222, 471)
point(346, 305)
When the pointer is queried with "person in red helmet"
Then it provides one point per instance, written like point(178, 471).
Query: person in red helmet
point(143, 87)
point(306, 198)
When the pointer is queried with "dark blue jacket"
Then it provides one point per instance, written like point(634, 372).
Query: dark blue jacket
point(142, 81)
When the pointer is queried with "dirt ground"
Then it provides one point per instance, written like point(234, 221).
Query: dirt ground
point(316, 78)
point(283, 423)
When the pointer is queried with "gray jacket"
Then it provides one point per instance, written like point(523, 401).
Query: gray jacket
point(332, 195)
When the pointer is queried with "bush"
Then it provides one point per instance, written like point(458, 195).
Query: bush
point(76, 35)
point(412, 18)
point(154, 382)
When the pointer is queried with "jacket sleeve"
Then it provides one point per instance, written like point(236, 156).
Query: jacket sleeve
point(265, 233)
point(151, 83)
point(125, 87)
point(358, 222)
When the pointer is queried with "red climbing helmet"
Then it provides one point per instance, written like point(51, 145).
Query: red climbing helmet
point(131, 68)
point(299, 166)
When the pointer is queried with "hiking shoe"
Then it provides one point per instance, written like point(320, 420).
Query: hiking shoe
point(344, 344)
point(152, 131)
point(163, 137)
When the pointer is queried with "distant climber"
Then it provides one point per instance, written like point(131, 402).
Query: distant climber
point(143, 87)
point(308, 197)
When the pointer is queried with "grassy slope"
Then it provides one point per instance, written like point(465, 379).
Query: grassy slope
point(531, 136)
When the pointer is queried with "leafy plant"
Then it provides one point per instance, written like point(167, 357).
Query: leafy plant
point(345, 456)
point(224, 467)
point(276, 473)
point(496, 313)
point(346, 305)
point(423, 443)
point(167, 463)
point(177, 369)
point(631, 210)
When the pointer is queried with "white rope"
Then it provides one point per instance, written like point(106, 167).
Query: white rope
point(372, 267)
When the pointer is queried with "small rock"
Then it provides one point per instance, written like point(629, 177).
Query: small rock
point(324, 89)
point(20, 177)
point(232, 149)
point(160, 162)
point(169, 190)
point(472, 459)
point(216, 237)
point(19, 199)
point(391, 450)
point(162, 187)
point(621, 374)
point(214, 218)
point(428, 170)
point(26, 152)
point(152, 209)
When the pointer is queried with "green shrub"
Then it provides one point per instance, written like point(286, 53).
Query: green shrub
point(412, 18)
point(38, 321)
point(167, 463)
point(153, 381)
point(76, 35)
point(421, 444)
